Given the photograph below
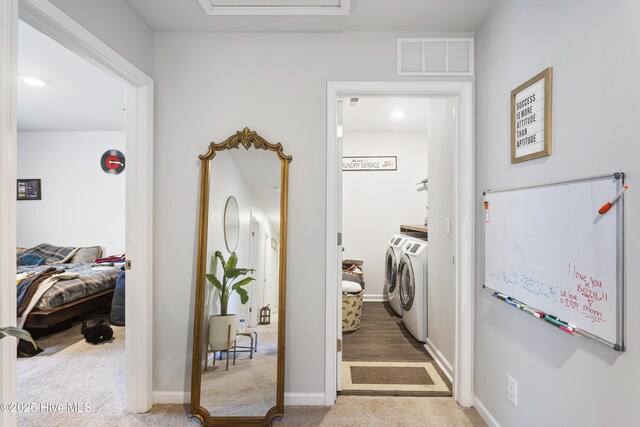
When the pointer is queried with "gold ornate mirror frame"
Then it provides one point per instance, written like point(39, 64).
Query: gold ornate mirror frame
point(247, 139)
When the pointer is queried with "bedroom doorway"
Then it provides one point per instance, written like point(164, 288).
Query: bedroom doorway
point(48, 19)
point(462, 221)
point(70, 230)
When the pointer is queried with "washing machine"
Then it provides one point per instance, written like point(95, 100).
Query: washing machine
point(412, 288)
point(392, 259)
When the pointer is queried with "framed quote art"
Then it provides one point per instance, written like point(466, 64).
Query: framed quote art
point(531, 118)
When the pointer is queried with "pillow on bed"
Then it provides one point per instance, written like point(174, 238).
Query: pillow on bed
point(86, 255)
point(31, 260)
point(50, 253)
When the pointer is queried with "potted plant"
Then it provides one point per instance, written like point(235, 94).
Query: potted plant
point(18, 333)
point(222, 327)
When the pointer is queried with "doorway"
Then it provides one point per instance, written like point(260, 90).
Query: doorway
point(48, 19)
point(71, 116)
point(397, 274)
point(462, 221)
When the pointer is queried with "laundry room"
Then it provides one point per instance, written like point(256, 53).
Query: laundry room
point(398, 274)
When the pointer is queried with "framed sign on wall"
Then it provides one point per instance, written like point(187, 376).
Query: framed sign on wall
point(531, 118)
point(370, 163)
point(29, 189)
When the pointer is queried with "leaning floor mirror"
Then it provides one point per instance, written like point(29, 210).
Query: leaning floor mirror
point(239, 315)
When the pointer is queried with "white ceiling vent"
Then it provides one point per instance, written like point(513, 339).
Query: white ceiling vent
point(276, 7)
point(435, 57)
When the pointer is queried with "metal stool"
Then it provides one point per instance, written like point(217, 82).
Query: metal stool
point(253, 336)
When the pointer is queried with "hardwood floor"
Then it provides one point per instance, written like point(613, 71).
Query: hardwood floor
point(382, 337)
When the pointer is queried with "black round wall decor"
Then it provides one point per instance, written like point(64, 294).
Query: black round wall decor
point(112, 161)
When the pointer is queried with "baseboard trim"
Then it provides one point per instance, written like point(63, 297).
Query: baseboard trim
point(374, 298)
point(171, 397)
point(304, 399)
point(440, 359)
point(484, 413)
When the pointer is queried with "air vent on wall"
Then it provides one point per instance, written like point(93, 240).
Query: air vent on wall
point(276, 7)
point(354, 102)
point(435, 57)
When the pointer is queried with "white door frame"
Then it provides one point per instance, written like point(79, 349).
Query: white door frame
point(256, 242)
point(50, 20)
point(464, 211)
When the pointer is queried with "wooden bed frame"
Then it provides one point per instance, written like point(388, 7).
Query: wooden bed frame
point(50, 318)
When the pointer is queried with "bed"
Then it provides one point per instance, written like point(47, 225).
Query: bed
point(78, 289)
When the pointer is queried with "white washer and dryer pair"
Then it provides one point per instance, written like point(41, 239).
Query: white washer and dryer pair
point(412, 288)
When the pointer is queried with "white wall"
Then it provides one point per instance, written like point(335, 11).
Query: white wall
point(376, 203)
point(210, 85)
point(441, 271)
point(116, 24)
point(592, 45)
point(81, 205)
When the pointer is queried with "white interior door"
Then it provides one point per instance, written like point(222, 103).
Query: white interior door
point(340, 248)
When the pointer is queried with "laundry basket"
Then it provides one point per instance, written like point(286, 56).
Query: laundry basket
point(351, 311)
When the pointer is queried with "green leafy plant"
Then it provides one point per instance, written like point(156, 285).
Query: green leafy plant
point(18, 333)
point(232, 281)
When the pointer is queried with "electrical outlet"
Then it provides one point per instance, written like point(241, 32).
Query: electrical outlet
point(512, 390)
point(447, 225)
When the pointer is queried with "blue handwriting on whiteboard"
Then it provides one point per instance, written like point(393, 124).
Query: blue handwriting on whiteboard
point(527, 283)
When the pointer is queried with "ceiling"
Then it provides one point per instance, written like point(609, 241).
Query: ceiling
point(376, 114)
point(366, 15)
point(76, 96)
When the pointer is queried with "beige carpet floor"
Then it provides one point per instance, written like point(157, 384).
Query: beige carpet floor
point(249, 387)
point(59, 375)
point(387, 411)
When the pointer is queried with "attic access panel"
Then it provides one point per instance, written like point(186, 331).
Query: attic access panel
point(276, 7)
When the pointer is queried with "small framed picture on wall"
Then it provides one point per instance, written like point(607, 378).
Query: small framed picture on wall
point(29, 189)
point(531, 118)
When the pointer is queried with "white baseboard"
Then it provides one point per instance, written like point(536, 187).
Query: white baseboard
point(374, 298)
point(304, 399)
point(484, 413)
point(440, 359)
point(171, 397)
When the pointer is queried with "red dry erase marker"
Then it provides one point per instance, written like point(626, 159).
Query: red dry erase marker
point(605, 208)
point(567, 330)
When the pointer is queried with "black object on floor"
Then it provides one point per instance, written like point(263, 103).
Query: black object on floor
point(97, 333)
point(25, 349)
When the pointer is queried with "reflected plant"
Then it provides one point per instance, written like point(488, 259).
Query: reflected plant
point(232, 280)
point(18, 333)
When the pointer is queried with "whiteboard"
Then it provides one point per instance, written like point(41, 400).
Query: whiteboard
point(549, 248)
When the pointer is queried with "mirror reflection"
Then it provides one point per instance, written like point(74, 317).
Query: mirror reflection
point(240, 324)
point(231, 224)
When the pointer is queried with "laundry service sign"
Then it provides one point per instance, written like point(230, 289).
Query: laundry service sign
point(531, 118)
point(370, 163)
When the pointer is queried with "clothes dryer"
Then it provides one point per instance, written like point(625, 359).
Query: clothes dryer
point(412, 288)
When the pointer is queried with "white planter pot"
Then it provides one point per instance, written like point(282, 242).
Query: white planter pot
point(222, 332)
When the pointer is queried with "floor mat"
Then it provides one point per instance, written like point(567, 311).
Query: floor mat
point(394, 379)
